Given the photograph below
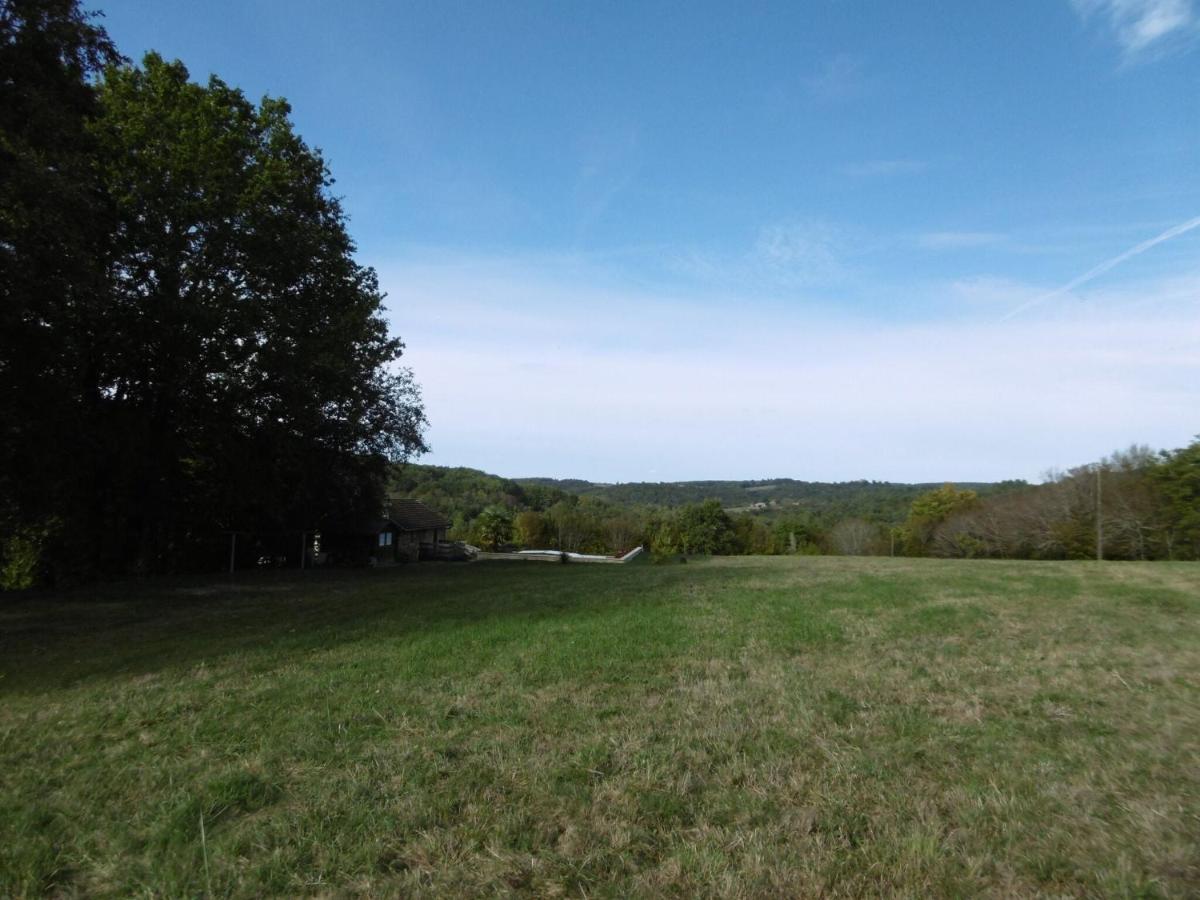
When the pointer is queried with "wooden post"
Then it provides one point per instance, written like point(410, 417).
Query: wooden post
point(232, 550)
point(1099, 519)
point(302, 534)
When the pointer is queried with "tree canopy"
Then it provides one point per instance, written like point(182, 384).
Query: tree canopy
point(1178, 481)
point(212, 357)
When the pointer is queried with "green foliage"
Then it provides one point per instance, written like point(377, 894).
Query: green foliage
point(935, 506)
point(530, 529)
point(1147, 506)
point(797, 533)
point(236, 277)
point(494, 527)
point(931, 509)
point(54, 225)
point(1178, 481)
point(543, 517)
point(462, 493)
point(703, 528)
point(186, 342)
point(21, 557)
point(751, 535)
point(875, 501)
point(1149, 513)
point(603, 520)
point(857, 537)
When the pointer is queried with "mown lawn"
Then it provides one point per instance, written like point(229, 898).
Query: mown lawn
point(735, 727)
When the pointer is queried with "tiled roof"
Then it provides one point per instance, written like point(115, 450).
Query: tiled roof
point(413, 515)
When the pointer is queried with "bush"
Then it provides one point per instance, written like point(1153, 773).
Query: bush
point(21, 558)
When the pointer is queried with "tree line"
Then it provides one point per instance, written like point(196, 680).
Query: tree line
point(188, 346)
point(1135, 504)
point(490, 511)
point(875, 500)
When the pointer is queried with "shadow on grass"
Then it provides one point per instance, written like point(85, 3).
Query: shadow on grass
point(270, 619)
point(117, 630)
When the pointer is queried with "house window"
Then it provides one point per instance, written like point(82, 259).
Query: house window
point(385, 539)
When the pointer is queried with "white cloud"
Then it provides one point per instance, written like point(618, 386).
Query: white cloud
point(534, 371)
point(800, 253)
point(784, 257)
point(1143, 25)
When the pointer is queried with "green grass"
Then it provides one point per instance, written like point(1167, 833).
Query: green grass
point(751, 726)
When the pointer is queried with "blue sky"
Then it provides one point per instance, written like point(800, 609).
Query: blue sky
point(826, 240)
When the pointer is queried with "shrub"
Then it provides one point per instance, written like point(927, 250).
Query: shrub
point(21, 558)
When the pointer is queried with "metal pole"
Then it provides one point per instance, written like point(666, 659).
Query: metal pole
point(1099, 518)
point(232, 550)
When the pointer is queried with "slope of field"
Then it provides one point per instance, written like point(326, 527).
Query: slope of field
point(736, 727)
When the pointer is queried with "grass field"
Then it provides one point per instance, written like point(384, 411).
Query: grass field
point(735, 727)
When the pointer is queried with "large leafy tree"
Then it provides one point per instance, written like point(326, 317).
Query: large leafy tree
point(1178, 480)
point(697, 528)
point(249, 365)
point(494, 527)
point(929, 510)
point(54, 226)
point(189, 345)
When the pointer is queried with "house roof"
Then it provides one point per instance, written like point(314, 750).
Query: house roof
point(401, 513)
point(413, 515)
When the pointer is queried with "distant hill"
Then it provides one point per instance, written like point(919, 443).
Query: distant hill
point(462, 493)
point(878, 500)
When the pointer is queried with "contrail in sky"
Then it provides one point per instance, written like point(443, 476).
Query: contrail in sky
point(1104, 267)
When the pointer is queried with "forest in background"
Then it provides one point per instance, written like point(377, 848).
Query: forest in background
point(1135, 504)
